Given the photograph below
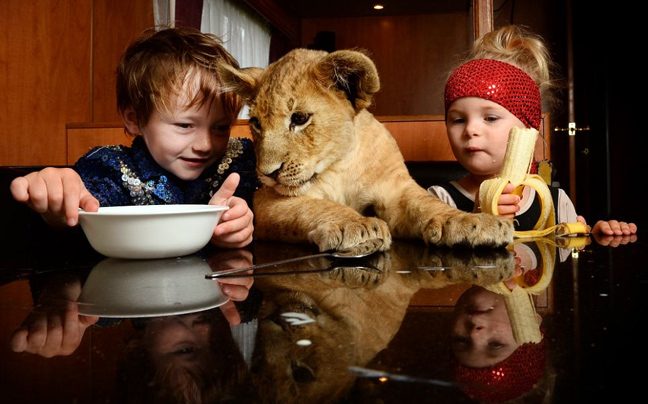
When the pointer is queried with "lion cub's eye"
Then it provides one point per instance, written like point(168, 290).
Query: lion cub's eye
point(299, 118)
point(254, 122)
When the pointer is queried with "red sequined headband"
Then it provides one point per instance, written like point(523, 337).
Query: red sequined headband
point(499, 82)
point(509, 379)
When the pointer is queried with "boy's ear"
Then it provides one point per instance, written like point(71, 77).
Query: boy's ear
point(130, 121)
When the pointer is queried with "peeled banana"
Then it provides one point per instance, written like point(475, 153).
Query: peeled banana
point(515, 169)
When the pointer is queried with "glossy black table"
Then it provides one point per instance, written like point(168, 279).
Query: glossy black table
point(372, 330)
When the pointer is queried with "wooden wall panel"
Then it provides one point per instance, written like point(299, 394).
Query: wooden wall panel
point(116, 23)
point(83, 136)
point(44, 77)
point(57, 63)
point(412, 54)
point(420, 138)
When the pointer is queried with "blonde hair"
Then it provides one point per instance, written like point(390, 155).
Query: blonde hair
point(517, 46)
point(156, 65)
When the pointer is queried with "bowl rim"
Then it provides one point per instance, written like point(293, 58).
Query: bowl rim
point(153, 210)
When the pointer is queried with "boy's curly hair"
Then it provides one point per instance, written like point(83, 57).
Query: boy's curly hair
point(157, 64)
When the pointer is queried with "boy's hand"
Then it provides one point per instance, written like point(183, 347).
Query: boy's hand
point(52, 330)
point(55, 193)
point(54, 326)
point(236, 227)
point(237, 289)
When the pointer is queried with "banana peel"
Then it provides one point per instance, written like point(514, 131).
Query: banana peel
point(516, 170)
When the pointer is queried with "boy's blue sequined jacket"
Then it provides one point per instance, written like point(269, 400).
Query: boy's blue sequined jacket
point(122, 176)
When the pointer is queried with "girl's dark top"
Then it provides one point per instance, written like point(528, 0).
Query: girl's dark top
point(122, 176)
point(525, 221)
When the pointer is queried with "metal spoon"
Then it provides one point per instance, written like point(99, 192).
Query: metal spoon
point(358, 251)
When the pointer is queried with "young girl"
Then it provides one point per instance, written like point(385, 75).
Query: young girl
point(170, 99)
point(500, 87)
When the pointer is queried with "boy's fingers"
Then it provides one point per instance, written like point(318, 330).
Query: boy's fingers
point(19, 188)
point(88, 202)
point(18, 342)
point(226, 191)
point(73, 190)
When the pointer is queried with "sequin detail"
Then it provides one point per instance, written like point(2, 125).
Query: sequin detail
point(509, 379)
point(119, 175)
point(499, 82)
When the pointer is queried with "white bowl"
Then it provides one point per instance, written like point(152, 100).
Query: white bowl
point(150, 231)
point(149, 288)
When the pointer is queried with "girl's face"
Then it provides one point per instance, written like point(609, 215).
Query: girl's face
point(481, 334)
point(185, 141)
point(478, 131)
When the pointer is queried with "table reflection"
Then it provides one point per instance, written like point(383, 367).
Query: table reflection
point(404, 325)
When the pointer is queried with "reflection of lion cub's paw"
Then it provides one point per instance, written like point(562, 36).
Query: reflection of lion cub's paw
point(338, 236)
point(473, 230)
point(353, 278)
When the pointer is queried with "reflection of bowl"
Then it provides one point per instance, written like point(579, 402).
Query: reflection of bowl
point(151, 231)
point(147, 288)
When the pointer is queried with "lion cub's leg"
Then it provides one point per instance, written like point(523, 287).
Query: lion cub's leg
point(423, 215)
point(328, 224)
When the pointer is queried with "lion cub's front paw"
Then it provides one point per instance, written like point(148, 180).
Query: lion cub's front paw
point(346, 234)
point(473, 230)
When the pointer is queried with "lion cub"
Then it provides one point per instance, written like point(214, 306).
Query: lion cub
point(325, 161)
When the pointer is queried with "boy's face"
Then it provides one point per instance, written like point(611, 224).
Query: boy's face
point(185, 141)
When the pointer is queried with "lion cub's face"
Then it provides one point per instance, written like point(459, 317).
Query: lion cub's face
point(301, 113)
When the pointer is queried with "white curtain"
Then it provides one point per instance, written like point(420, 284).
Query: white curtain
point(164, 12)
point(245, 34)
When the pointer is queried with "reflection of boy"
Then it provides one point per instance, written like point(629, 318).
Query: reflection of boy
point(189, 358)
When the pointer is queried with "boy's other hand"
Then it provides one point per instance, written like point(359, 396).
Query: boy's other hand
point(55, 193)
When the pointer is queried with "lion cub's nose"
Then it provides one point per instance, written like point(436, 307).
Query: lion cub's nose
point(274, 173)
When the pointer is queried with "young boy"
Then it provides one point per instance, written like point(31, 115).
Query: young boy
point(170, 98)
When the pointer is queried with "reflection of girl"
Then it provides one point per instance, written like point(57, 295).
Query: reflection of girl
point(499, 351)
point(482, 335)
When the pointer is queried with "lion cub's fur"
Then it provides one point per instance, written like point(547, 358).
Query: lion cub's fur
point(325, 160)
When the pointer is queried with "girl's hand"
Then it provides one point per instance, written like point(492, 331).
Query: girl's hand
point(508, 202)
point(55, 193)
point(614, 228)
point(236, 227)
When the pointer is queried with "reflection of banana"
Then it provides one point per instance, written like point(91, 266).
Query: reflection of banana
point(522, 313)
point(515, 169)
point(519, 303)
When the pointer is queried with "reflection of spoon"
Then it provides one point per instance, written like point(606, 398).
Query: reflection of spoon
point(357, 251)
point(448, 268)
point(297, 272)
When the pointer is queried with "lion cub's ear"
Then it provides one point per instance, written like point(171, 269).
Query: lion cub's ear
point(241, 81)
point(352, 72)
